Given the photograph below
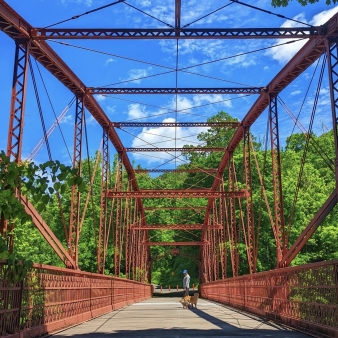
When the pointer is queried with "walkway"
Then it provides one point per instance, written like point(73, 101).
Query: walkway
point(165, 318)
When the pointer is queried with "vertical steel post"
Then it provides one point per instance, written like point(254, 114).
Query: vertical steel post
point(233, 235)
point(117, 249)
point(18, 100)
point(250, 231)
point(223, 249)
point(101, 249)
point(73, 239)
point(277, 179)
point(16, 120)
point(332, 51)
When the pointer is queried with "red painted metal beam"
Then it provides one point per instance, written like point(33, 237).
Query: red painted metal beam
point(175, 243)
point(197, 170)
point(174, 208)
point(175, 124)
point(309, 230)
point(177, 14)
point(304, 58)
point(172, 193)
point(175, 227)
point(206, 149)
point(174, 91)
point(47, 233)
point(177, 33)
point(16, 27)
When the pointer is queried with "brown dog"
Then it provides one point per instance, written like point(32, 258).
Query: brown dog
point(193, 300)
point(185, 301)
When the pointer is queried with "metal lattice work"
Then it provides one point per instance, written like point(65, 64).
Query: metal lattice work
point(257, 33)
point(224, 226)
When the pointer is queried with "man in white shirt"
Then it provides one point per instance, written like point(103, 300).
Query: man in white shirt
point(186, 282)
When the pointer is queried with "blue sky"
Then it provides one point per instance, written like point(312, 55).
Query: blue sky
point(108, 64)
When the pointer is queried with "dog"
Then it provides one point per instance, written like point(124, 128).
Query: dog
point(193, 300)
point(185, 301)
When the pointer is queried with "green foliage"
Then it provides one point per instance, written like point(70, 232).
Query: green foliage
point(284, 3)
point(38, 183)
point(316, 185)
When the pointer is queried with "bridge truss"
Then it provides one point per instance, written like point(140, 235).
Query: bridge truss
point(227, 204)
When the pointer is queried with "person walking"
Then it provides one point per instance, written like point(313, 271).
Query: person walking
point(186, 283)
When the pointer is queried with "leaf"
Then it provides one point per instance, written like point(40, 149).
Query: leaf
point(57, 186)
point(82, 186)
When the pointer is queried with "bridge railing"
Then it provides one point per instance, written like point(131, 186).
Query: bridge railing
point(304, 297)
point(52, 298)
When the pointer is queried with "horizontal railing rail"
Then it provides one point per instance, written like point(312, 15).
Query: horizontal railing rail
point(304, 297)
point(52, 298)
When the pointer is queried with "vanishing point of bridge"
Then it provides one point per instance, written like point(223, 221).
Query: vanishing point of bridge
point(50, 298)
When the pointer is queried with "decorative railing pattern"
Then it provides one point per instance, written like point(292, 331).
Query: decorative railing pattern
point(304, 297)
point(52, 298)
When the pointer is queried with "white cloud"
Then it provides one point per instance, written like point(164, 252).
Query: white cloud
point(205, 52)
point(110, 60)
point(284, 53)
point(296, 92)
point(87, 3)
point(67, 120)
point(163, 138)
point(100, 97)
point(145, 3)
point(135, 75)
point(323, 17)
point(91, 120)
point(185, 104)
point(136, 111)
point(266, 68)
point(111, 109)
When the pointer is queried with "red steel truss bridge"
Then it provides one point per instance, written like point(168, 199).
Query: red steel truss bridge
point(305, 297)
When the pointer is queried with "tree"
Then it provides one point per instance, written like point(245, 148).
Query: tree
point(284, 3)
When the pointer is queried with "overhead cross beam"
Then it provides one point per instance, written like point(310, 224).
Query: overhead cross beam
point(176, 124)
point(204, 149)
point(194, 91)
point(197, 170)
point(175, 227)
point(175, 193)
point(177, 33)
point(174, 243)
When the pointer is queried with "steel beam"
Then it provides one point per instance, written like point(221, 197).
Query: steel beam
point(204, 149)
point(309, 230)
point(17, 108)
point(332, 51)
point(175, 227)
point(16, 27)
point(16, 119)
point(304, 58)
point(175, 91)
point(197, 170)
point(172, 193)
point(176, 124)
point(175, 243)
point(174, 208)
point(277, 179)
point(232, 227)
point(177, 33)
point(250, 224)
point(101, 252)
point(47, 233)
point(73, 235)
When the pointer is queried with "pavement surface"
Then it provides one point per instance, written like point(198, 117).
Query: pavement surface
point(166, 318)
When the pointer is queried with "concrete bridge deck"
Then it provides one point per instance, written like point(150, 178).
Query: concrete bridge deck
point(165, 318)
